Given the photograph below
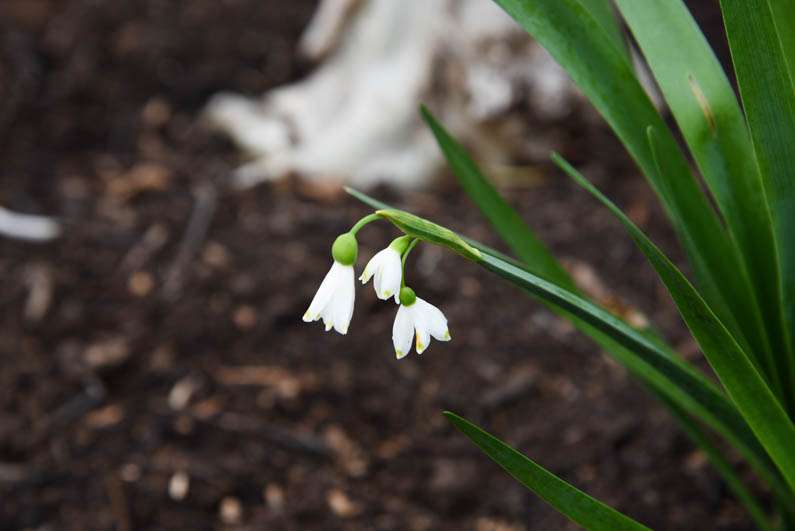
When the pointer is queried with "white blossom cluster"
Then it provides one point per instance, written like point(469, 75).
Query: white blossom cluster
point(333, 303)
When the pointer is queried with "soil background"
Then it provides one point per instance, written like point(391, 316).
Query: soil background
point(154, 370)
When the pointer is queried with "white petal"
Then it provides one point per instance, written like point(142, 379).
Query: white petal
point(324, 294)
point(432, 319)
point(342, 303)
point(423, 338)
point(388, 275)
point(402, 332)
point(372, 266)
point(369, 270)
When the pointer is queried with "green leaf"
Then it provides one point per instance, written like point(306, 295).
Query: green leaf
point(769, 102)
point(748, 390)
point(573, 503)
point(508, 224)
point(603, 13)
point(575, 39)
point(646, 358)
point(784, 18)
point(709, 116)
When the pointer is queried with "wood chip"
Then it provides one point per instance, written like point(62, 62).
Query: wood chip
point(140, 283)
point(178, 486)
point(341, 505)
point(231, 511)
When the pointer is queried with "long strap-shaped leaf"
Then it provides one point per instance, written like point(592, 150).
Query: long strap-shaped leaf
point(784, 17)
point(578, 43)
point(709, 116)
point(769, 101)
point(508, 224)
point(644, 357)
point(739, 377)
point(603, 13)
point(567, 499)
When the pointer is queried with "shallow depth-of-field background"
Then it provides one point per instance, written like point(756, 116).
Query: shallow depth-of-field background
point(156, 375)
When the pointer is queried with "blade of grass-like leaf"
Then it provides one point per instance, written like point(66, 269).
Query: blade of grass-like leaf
point(739, 377)
point(720, 464)
point(784, 18)
point(572, 36)
point(603, 13)
point(709, 116)
point(567, 499)
point(648, 360)
point(769, 102)
point(508, 224)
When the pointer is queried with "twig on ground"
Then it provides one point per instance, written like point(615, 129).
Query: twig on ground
point(206, 198)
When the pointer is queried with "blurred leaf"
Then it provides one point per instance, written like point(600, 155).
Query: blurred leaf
point(564, 497)
point(709, 116)
point(748, 390)
point(603, 13)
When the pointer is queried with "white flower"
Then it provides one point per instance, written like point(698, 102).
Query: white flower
point(388, 271)
point(334, 299)
point(421, 319)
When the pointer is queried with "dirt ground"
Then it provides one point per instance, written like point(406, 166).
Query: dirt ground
point(154, 369)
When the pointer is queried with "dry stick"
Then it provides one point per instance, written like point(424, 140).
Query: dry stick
point(206, 199)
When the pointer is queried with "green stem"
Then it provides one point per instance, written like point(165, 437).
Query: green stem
point(364, 221)
point(411, 246)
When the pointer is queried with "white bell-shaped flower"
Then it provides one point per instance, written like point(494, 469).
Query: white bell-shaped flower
point(387, 269)
point(388, 272)
point(334, 299)
point(420, 319)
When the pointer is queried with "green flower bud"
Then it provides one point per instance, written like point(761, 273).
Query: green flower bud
point(345, 249)
point(401, 244)
point(407, 296)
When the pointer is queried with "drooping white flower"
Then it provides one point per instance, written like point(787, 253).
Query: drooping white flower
point(420, 319)
point(387, 268)
point(334, 299)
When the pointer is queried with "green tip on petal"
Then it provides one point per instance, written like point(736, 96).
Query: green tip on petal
point(407, 296)
point(345, 249)
point(399, 353)
point(446, 335)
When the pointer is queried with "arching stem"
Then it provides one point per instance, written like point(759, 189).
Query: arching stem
point(364, 221)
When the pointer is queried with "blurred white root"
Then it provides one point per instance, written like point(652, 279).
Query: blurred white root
point(355, 119)
point(27, 226)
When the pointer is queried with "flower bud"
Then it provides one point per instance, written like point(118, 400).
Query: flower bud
point(345, 249)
